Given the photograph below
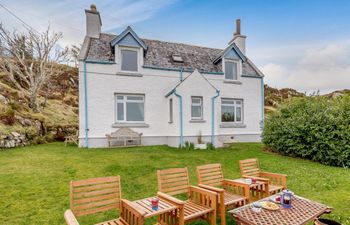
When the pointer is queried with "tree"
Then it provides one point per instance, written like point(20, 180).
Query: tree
point(29, 60)
point(74, 51)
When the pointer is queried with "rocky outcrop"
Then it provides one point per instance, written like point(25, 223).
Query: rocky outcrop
point(13, 140)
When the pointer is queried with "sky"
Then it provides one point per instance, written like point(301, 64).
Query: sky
point(297, 44)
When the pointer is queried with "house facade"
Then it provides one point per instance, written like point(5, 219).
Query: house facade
point(169, 92)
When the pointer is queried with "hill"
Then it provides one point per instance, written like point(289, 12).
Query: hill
point(57, 117)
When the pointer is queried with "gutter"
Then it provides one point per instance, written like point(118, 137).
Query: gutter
point(181, 77)
point(86, 108)
point(181, 119)
point(99, 62)
point(262, 102)
point(183, 70)
point(213, 115)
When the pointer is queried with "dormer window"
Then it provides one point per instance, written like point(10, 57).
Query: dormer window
point(177, 58)
point(231, 70)
point(129, 60)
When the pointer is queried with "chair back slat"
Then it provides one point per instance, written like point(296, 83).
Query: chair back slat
point(210, 174)
point(173, 181)
point(95, 195)
point(249, 167)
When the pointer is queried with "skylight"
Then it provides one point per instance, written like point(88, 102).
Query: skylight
point(177, 58)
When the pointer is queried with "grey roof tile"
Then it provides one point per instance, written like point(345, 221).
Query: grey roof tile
point(159, 54)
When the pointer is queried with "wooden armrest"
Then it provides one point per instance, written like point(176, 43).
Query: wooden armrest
point(203, 196)
point(202, 190)
point(268, 174)
point(70, 218)
point(240, 184)
point(237, 188)
point(133, 207)
point(211, 188)
point(170, 198)
point(257, 178)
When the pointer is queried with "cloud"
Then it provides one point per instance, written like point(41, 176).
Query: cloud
point(68, 16)
point(324, 68)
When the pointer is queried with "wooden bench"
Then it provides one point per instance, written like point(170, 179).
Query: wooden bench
point(231, 194)
point(124, 137)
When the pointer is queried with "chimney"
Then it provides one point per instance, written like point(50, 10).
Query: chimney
point(93, 22)
point(238, 38)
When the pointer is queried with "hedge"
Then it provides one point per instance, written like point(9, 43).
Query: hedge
point(313, 127)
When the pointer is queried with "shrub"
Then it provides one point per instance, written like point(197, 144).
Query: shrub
point(187, 146)
point(8, 117)
point(39, 140)
point(210, 146)
point(315, 128)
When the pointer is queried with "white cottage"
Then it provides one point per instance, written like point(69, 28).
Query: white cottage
point(169, 92)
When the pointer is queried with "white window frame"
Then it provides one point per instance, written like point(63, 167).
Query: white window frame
point(197, 104)
point(235, 106)
point(121, 60)
point(238, 68)
point(139, 51)
point(124, 101)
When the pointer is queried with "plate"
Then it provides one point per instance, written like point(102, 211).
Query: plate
point(270, 206)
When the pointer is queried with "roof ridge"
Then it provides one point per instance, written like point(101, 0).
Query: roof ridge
point(169, 42)
point(173, 42)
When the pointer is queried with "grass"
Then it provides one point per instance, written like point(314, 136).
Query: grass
point(34, 180)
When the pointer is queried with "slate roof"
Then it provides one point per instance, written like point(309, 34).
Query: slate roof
point(159, 54)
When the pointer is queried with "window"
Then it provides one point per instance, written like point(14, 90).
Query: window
point(130, 108)
point(129, 60)
point(231, 110)
point(231, 69)
point(196, 108)
point(170, 110)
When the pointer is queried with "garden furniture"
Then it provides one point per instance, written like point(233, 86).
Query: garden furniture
point(101, 194)
point(231, 194)
point(200, 203)
point(250, 169)
point(71, 139)
point(124, 137)
point(302, 212)
point(257, 190)
point(164, 211)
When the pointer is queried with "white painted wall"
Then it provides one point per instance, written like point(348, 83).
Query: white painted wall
point(103, 82)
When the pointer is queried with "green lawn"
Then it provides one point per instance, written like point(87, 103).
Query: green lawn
point(34, 180)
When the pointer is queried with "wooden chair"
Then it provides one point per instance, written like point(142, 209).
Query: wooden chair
point(101, 194)
point(71, 139)
point(250, 169)
point(231, 194)
point(201, 203)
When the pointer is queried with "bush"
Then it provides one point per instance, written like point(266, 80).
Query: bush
point(187, 146)
point(315, 128)
point(8, 117)
point(210, 146)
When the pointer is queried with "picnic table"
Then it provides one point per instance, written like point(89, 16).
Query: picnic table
point(258, 190)
point(303, 211)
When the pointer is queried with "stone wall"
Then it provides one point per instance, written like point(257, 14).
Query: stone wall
point(13, 140)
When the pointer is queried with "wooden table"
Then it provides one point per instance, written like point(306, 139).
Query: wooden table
point(258, 190)
point(164, 210)
point(302, 211)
